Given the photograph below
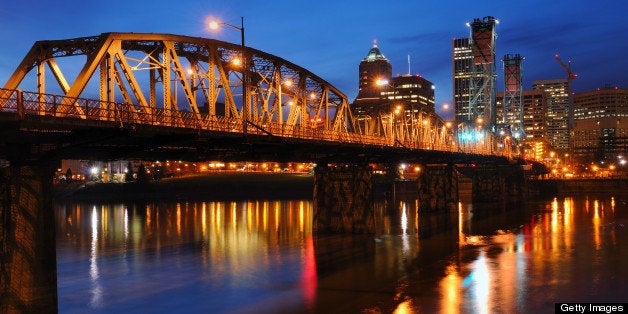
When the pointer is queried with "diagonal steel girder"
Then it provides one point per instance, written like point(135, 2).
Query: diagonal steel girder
point(192, 74)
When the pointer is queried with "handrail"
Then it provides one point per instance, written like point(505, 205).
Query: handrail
point(35, 104)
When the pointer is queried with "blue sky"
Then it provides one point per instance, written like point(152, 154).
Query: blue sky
point(329, 38)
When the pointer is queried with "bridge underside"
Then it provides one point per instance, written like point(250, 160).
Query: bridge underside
point(44, 137)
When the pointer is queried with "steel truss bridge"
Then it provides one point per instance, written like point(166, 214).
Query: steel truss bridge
point(195, 85)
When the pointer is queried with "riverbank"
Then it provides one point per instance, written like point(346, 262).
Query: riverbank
point(217, 186)
point(553, 187)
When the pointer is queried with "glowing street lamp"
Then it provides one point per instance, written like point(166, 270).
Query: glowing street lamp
point(215, 25)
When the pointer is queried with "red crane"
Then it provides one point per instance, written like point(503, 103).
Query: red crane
point(570, 77)
point(567, 68)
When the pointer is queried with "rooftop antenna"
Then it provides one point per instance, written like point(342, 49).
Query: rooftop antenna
point(409, 73)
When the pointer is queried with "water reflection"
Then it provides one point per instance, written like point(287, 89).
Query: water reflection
point(261, 255)
point(554, 256)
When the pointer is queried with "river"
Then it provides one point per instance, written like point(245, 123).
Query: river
point(261, 257)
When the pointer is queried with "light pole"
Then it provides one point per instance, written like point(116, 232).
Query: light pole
point(214, 25)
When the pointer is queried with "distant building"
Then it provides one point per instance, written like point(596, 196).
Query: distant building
point(558, 111)
point(601, 125)
point(534, 113)
point(380, 92)
point(534, 121)
point(462, 56)
point(412, 90)
point(372, 68)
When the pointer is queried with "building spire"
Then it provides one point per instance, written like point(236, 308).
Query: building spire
point(375, 53)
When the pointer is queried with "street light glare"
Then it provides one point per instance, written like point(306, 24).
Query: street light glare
point(381, 82)
point(214, 25)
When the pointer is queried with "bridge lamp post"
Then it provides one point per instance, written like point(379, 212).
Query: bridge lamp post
point(385, 84)
point(215, 25)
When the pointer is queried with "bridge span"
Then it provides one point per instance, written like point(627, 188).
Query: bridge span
point(189, 105)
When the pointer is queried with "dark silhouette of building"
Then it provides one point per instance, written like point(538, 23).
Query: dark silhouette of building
point(380, 92)
point(601, 125)
point(412, 90)
point(374, 68)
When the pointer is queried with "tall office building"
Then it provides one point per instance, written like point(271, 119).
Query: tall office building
point(601, 125)
point(379, 91)
point(534, 115)
point(462, 57)
point(558, 131)
point(372, 68)
point(412, 90)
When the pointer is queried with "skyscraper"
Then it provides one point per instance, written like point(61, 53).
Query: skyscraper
point(413, 90)
point(372, 68)
point(379, 91)
point(601, 125)
point(558, 131)
point(462, 56)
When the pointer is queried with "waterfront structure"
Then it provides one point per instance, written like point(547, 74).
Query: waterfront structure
point(373, 68)
point(601, 125)
point(462, 69)
point(510, 115)
point(482, 82)
point(534, 121)
point(558, 109)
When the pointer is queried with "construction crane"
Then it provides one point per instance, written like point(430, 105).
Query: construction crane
point(567, 68)
point(570, 77)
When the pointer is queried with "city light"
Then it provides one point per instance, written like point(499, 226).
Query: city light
point(214, 25)
point(470, 136)
point(381, 82)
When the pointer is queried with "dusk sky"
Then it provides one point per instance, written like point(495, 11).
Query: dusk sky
point(330, 38)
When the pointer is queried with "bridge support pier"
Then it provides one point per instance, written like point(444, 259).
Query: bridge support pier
point(438, 198)
point(28, 268)
point(497, 185)
point(343, 199)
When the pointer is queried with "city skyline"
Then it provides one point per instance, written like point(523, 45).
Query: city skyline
point(330, 39)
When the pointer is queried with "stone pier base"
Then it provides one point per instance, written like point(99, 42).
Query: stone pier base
point(438, 188)
point(498, 185)
point(28, 269)
point(438, 199)
point(343, 199)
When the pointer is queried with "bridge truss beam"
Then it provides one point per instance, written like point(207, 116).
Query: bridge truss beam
point(191, 82)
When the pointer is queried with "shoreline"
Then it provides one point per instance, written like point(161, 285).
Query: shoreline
point(215, 186)
point(274, 186)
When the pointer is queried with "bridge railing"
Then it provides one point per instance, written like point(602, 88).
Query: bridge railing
point(38, 104)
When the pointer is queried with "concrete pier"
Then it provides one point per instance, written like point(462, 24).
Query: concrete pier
point(438, 199)
point(343, 199)
point(28, 269)
point(438, 188)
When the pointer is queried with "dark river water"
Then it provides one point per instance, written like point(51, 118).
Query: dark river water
point(261, 257)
